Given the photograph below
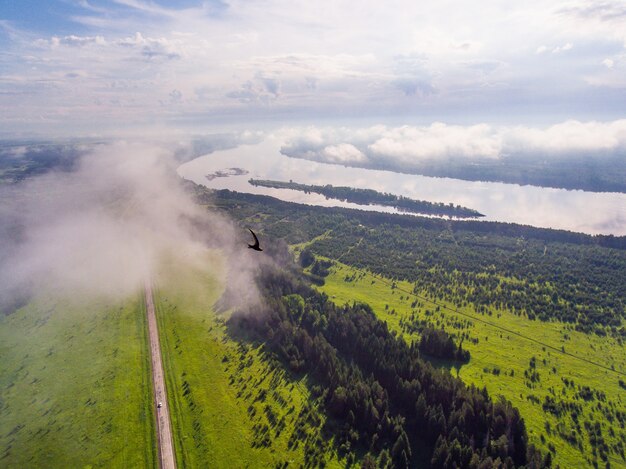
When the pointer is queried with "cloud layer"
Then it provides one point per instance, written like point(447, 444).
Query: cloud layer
point(142, 64)
point(407, 146)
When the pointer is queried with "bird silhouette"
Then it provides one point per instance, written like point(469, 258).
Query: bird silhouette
point(254, 246)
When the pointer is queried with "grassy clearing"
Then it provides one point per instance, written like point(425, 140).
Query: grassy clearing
point(296, 249)
point(232, 406)
point(75, 388)
point(502, 363)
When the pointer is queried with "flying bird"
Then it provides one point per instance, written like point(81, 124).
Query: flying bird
point(254, 246)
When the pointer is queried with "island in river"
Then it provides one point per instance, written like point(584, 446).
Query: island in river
point(370, 196)
point(224, 173)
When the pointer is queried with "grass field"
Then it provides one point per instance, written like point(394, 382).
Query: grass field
point(232, 406)
point(501, 361)
point(75, 388)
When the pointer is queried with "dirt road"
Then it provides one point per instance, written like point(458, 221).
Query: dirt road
point(164, 427)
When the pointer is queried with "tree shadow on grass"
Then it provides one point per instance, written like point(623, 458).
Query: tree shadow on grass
point(452, 366)
point(317, 444)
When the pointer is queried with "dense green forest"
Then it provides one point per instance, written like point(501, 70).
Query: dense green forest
point(382, 397)
point(538, 273)
point(570, 283)
point(370, 196)
point(578, 375)
point(479, 273)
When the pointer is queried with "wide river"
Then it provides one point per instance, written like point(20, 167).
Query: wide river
point(586, 212)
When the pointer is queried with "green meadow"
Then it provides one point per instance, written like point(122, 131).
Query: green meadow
point(572, 408)
point(75, 387)
point(232, 405)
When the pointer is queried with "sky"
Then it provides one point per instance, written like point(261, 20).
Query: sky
point(90, 67)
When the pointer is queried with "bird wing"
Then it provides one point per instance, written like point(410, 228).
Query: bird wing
point(256, 240)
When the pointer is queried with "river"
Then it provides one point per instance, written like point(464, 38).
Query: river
point(573, 210)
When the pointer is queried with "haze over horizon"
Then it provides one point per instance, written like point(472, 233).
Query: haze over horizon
point(124, 67)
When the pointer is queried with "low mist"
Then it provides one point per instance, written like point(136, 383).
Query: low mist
point(105, 227)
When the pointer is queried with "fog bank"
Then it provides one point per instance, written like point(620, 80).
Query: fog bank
point(103, 228)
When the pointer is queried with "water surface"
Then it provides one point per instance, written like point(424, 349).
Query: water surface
point(586, 212)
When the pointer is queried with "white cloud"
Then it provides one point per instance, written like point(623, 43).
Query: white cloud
point(235, 59)
point(145, 46)
point(414, 87)
point(563, 48)
point(594, 18)
point(568, 137)
point(259, 89)
point(82, 40)
point(153, 47)
point(612, 75)
point(71, 41)
point(344, 153)
point(407, 146)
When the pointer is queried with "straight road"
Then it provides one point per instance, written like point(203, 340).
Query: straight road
point(164, 426)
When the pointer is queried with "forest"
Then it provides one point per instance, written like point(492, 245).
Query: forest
point(382, 397)
point(572, 281)
point(540, 274)
point(372, 197)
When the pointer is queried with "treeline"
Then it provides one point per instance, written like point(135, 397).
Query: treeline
point(382, 397)
point(370, 196)
point(232, 201)
point(439, 344)
point(583, 285)
point(543, 274)
point(433, 342)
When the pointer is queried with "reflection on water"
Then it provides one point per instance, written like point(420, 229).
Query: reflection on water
point(587, 212)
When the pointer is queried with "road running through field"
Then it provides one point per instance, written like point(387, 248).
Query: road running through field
point(164, 426)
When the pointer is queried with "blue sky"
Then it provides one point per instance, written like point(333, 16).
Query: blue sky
point(93, 67)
